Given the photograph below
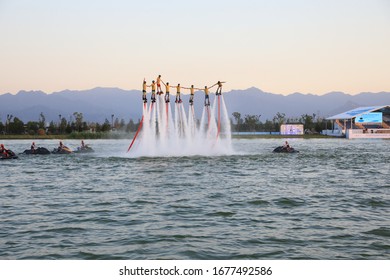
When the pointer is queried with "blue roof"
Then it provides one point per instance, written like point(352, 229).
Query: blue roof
point(356, 112)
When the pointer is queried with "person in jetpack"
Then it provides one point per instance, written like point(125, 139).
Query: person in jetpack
point(219, 89)
point(206, 96)
point(192, 93)
point(167, 87)
point(144, 86)
point(158, 82)
point(153, 85)
point(178, 98)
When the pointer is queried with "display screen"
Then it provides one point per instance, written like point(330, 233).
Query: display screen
point(291, 129)
point(369, 118)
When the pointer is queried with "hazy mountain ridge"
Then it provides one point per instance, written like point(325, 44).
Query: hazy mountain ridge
point(99, 103)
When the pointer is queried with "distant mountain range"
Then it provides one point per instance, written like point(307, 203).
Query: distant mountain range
point(99, 103)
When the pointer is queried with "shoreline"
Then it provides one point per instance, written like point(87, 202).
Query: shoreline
point(130, 136)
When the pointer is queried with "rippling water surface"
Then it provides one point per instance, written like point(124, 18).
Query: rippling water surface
point(330, 201)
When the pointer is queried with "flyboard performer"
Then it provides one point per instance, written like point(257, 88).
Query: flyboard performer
point(144, 86)
point(219, 93)
point(153, 86)
point(166, 97)
point(206, 96)
point(178, 98)
point(207, 103)
point(192, 93)
point(167, 88)
point(158, 82)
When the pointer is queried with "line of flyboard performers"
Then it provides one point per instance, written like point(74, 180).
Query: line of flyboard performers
point(156, 89)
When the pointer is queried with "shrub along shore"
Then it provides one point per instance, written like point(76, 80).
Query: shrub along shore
point(113, 135)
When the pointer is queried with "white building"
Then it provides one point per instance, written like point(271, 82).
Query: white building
point(362, 122)
point(291, 129)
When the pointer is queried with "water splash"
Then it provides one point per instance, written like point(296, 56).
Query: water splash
point(180, 133)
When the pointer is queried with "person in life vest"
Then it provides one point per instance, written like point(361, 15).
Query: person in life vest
point(33, 147)
point(61, 146)
point(153, 85)
point(144, 86)
point(206, 96)
point(192, 93)
point(178, 98)
point(219, 89)
point(158, 81)
point(167, 87)
point(287, 146)
point(3, 151)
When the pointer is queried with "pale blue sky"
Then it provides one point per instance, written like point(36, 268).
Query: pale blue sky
point(280, 46)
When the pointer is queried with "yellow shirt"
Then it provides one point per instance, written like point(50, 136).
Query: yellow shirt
point(178, 89)
point(144, 86)
point(167, 88)
point(153, 86)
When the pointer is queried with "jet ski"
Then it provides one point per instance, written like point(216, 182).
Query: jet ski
point(62, 150)
point(37, 151)
point(85, 149)
point(282, 149)
point(10, 155)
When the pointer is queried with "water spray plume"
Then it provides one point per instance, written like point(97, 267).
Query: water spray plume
point(162, 132)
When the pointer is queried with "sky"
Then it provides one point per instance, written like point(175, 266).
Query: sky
point(279, 46)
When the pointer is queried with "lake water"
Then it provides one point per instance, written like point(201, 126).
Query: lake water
point(330, 201)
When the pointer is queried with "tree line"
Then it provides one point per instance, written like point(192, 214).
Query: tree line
point(251, 123)
point(247, 123)
point(14, 125)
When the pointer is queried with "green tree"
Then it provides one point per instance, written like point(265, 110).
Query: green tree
point(269, 126)
point(16, 127)
point(116, 124)
point(308, 121)
point(252, 122)
point(106, 126)
point(32, 127)
point(122, 124)
point(279, 119)
point(63, 126)
point(78, 123)
point(52, 129)
point(130, 127)
point(237, 117)
point(68, 128)
point(42, 121)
